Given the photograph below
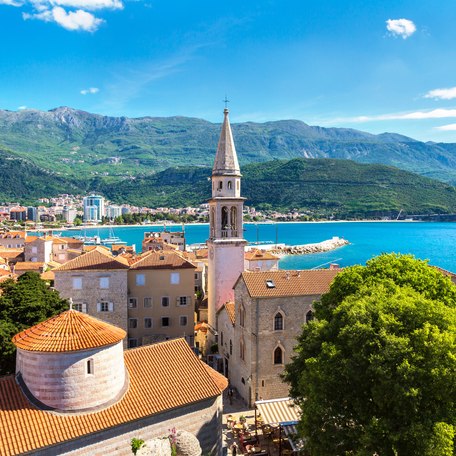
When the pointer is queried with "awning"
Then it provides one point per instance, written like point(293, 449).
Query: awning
point(278, 411)
point(291, 432)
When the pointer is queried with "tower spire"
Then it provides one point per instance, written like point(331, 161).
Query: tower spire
point(226, 161)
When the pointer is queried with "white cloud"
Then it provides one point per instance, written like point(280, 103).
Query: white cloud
point(90, 90)
point(416, 115)
point(442, 94)
point(21, 108)
point(69, 14)
point(450, 127)
point(401, 27)
point(11, 3)
point(90, 5)
point(76, 20)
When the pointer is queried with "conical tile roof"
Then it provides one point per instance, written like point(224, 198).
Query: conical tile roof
point(226, 161)
point(68, 331)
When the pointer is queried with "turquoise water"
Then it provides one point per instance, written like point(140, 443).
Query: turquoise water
point(433, 241)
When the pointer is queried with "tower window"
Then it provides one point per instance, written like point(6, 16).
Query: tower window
point(224, 218)
point(278, 356)
point(230, 185)
point(220, 185)
point(309, 316)
point(90, 366)
point(278, 322)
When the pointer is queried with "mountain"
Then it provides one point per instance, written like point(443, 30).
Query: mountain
point(326, 187)
point(76, 143)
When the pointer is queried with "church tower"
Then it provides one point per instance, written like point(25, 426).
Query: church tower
point(226, 239)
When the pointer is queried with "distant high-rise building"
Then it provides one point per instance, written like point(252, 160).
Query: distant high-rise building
point(69, 214)
point(113, 211)
point(32, 213)
point(93, 208)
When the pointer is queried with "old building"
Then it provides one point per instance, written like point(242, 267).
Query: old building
point(261, 260)
point(226, 241)
point(161, 299)
point(77, 392)
point(12, 239)
point(226, 319)
point(97, 283)
point(270, 309)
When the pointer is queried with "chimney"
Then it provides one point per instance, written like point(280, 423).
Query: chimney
point(287, 276)
point(334, 267)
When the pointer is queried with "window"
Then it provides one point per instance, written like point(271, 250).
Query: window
point(221, 338)
point(242, 349)
point(147, 322)
point(34, 250)
point(80, 306)
point(104, 282)
point(104, 306)
point(165, 321)
point(147, 302)
point(77, 283)
point(270, 284)
point(224, 218)
point(183, 300)
point(132, 303)
point(241, 315)
point(175, 278)
point(196, 276)
point(165, 301)
point(230, 185)
point(140, 279)
point(278, 322)
point(132, 343)
point(231, 347)
point(278, 355)
point(220, 185)
point(132, 323)
point(309, 316)
point(90, 367)
point(183, 321)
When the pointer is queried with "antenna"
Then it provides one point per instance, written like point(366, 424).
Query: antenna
point(70, 301)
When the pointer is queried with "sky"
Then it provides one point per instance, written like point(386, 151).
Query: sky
point(377, 66)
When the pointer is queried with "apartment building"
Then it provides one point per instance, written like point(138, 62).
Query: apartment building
point(161, 298)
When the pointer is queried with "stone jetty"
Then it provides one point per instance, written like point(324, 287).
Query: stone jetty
point(325, 246)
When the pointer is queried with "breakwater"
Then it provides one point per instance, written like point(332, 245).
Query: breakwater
point(304, 249)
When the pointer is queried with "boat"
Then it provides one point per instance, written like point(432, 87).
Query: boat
point(112, 239)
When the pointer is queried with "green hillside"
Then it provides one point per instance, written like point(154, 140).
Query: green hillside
point(339, 187)
point(75, 143)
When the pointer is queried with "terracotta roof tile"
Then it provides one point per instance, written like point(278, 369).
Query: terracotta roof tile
point(257, 254)
point(97, 259)
point(11, 253)
point(68, 331)
point(29, 265)
point(163, 376)
point(230, 310)
point(162, 260)
point(48, 275)
point(12, 235)
point(288, 283)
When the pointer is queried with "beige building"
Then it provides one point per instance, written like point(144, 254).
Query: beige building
point(260, 260)
point(161, 299)
point(51, 248)
point(77, 392)
point(12, 239)
point(270, 309)
point(97, 283)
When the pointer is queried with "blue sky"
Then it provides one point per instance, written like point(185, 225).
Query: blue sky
point(367, 64)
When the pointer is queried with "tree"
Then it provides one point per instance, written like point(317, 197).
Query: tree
point(376, 371)
point(24, 303)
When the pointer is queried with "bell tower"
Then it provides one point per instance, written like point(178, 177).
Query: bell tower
point(226, 241)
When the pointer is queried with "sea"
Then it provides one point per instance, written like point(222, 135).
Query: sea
point(433, 241)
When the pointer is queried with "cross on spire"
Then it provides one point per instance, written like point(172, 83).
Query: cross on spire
point(226, 101)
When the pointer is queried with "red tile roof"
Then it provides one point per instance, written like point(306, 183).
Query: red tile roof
point(258, 254)
point(288, 283)
point(230, 310)
point(97, 259)
point(163, 377)
point(163, 259)
point(68, 331)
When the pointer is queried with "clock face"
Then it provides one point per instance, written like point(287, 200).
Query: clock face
point(211, 253)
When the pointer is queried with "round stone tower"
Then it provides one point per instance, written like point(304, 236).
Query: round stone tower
point(71, 363)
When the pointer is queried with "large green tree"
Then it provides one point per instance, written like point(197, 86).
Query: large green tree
point(24, 303)
point(375, 373)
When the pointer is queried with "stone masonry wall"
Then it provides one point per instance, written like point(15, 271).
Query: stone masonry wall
point(61, 381)
point(203, 419)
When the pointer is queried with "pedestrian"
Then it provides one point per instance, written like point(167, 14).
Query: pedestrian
point(234, 449)
point(230, 395)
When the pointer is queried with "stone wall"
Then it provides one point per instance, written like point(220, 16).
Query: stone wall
point(62, 380)
point(261, 376)
point(90, 294)
point(203, 419)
